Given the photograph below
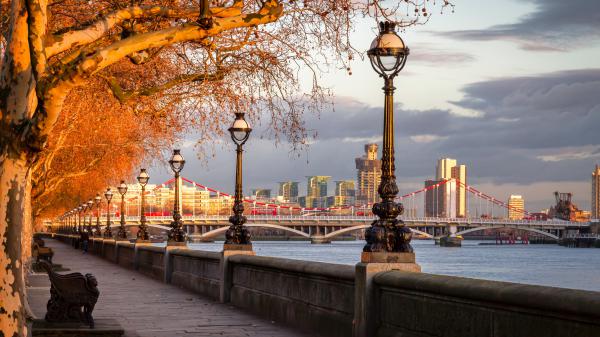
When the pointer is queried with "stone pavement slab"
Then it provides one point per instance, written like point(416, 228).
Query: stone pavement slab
point(148, 308)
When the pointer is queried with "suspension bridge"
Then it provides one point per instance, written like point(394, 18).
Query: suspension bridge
point(206, 214)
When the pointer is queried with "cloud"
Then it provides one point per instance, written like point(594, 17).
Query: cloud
point(572, 154)
point(555, 25)
point(426, 138)
point(528, 130)
point(430, 55)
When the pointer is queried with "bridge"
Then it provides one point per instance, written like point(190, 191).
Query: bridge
point(322, 229)
point(321, 225)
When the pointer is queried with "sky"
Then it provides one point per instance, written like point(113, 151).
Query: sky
point(510, 88)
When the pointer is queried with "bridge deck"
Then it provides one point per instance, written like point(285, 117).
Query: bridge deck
point(146, 307)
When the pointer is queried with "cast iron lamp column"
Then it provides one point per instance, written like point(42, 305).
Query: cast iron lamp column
point(176, 234)
point(97, 200)
point(81, 225)
point(388, 55)
point(89, 211)
point(77, 219)
point(122, 234)
point(142, 234)
point(108, 196)
point(237, 233)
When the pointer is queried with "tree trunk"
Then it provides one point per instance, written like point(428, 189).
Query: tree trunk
point(15, 232)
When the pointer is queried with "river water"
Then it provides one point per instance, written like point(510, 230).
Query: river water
point(551, 265)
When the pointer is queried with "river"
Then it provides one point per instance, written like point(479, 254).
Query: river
point(551, 265)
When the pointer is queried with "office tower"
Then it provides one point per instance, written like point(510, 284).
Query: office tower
point(261, 193)
point(596, 193)
point(459, 173)
point(432, 197)
point(368, 175)
point(288, 190)
point(316, 193)
point(455, 192)
point(440, 201)
point(516, 207)
point(344, 193)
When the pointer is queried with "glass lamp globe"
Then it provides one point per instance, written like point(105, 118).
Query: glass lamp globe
point(122, 187)
point(143, 178)
point(108, 194)
point(388, 52)
point(177, 161)
point(240, 129)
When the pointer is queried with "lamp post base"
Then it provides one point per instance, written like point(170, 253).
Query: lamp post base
point(176, 244)
point(387, 257)
point(237, 247)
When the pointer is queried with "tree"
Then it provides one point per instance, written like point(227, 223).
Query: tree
point(89, 150)
point(234, 55)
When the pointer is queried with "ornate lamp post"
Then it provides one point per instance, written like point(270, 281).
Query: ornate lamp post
point(237, 233)
point(108, 196)
point(97, 200)
point(75, 218)
point(90, 203)
point(122, 234)
point(81, 225)
point(176, 234)
point(142, 234)
point(388, 55)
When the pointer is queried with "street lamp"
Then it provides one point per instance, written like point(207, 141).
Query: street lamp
point(142, 234)
point(76, 218)
point(108, 195)
point(388, 55)
point(237, 233)
point(90, 203)
point(97, 200)
point(176, 234)
point(122, 234)
point(82, 210)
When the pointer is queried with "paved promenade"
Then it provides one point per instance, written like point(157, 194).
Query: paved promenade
point(146, 307)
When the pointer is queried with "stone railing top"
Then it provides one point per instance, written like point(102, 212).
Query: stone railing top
point(337, 271)
point(126, 244)
point(154, 249)
point(201, 254)
point(580, 303)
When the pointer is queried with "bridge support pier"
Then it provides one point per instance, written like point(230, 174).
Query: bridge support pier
point(450, 241)
point(319, 239)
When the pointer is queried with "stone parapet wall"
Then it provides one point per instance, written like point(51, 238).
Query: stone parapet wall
point(322, 298)
point(196, 270)
point(150, 261)
point(311, 296)
point(423, 305)
point(125, 252)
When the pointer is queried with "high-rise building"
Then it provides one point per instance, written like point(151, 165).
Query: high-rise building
point(261, 193)
point(368, 175)
point(459, 174)
point(455, 192)
point(596, 193)
point(440, 200)
point(432, 197)
point(316, 193)
point(516, 207)
point(288, 190)
point(344, 193)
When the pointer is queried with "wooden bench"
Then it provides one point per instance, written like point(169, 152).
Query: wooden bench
point(40, 251)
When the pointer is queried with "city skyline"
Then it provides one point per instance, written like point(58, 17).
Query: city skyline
point(405, 186)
